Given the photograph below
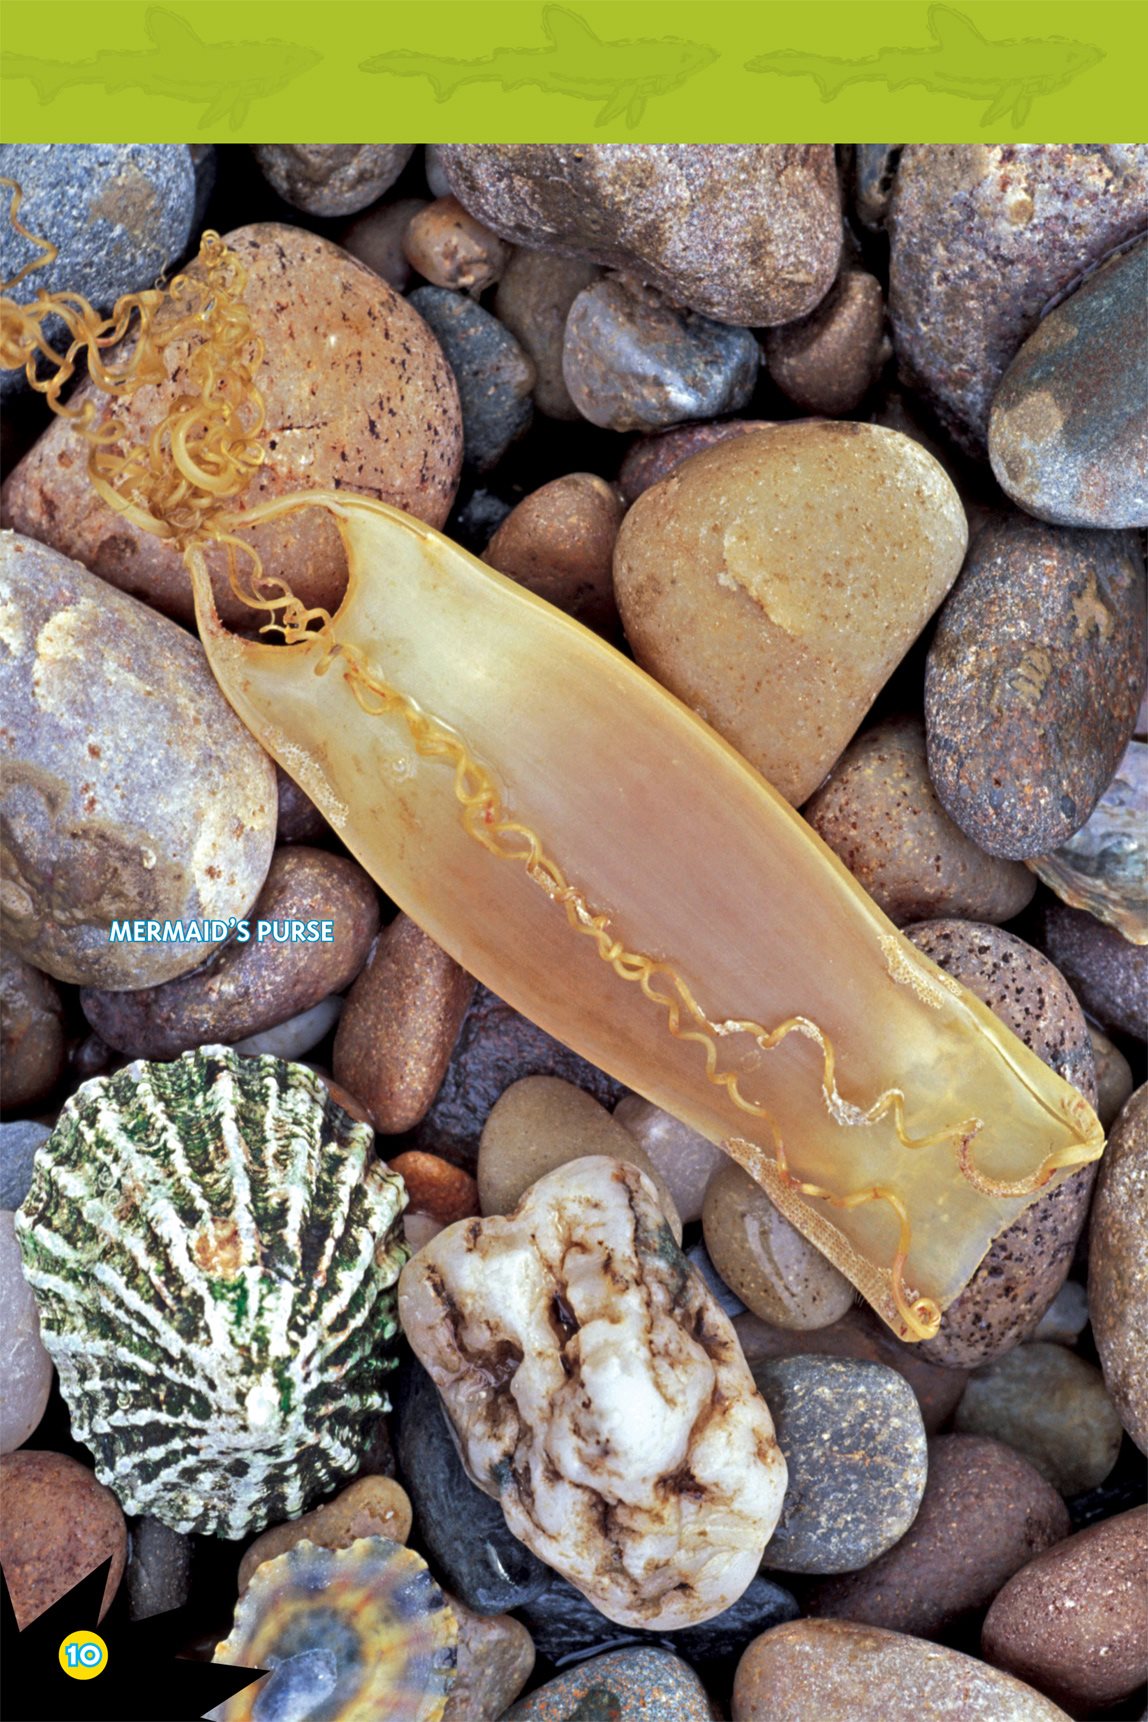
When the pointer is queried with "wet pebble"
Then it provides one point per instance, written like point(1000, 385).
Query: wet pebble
point(559, 543)
point(368, 1507)
point(878, 811)
point(442, 1192)
point(495, 1660)
point(533, 301)
point(541, 1123)
point(685, 1158)
point(1067, 436)
point(299, 819)
point(775, 581)
point(747, 233)
point(331, 179)
point(984, 1514)
point(376, 239)
point(18, 1144)
point(57, 1524)
point(399, 1026)
point(494, 376)
point(159, 1569)
point(296, 1036)
point(641, 1684)
point(1118, 1267)
point(853, 1439)
point(1108, 974)
point(495, 1047)
point(1051, 1406)
point(650, 458)
point(1066, 1317)
point(631, 361)
point(132, 790)
point(832, 1671)
point(828, 361)
point(247, 988)
point(1028, 1262)
point(32, 1050)
point(564, 1623)
point(775, 1271)
point(1033, 680)
point(25, 1367)
point(1072, 1622)
point(449, 248)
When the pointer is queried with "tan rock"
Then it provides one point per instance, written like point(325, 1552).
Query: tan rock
point(368, 1507)
point(376, 239)
point(826, 362)
point(684, 1158)
point(559, 542)
point(495, 1659)
point(449, 248)
point(57, 1524)
point(31, 1033)
point(1118, 1267)
point(777, 1273)
point(533, 300)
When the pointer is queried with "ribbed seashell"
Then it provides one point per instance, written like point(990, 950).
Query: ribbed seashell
point(213, 1253)
point(360, 1634)
point(1104, 867)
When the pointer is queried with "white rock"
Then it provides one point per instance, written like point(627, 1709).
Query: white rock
point(600, 1394)
point(291, 1039)
point(25, 1367)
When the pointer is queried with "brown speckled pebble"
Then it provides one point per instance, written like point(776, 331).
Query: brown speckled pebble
point(495, 1660)
point(879, 812)
point(1113, 1077)
point(745, 233)
point(650, 458)
point(831, 1671)
point(559, 543)
point(376, 239)
point(368, 1507)
point(332, 179)
point(775, 1271)
point(1074, 1622)
point(1028, 1262)
point(376, 412)
point(984, 1514)
point(1109, 975)
point(57, 1524)
point(32, 1051)
point(1033, 680)
point(826, 362)
point(399, 1026)
point(641, 1684)
point(533, 301)
point(1118, 1267)
point(449, 248)
point(246, 988)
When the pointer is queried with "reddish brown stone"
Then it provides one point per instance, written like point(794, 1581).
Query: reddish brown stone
point(443, 1192)
point(1109, 974)
point(827, 362)
point(57, 1524)
point(449, 248)
point(559, 543)
point(653, 457)
point(32, 1052)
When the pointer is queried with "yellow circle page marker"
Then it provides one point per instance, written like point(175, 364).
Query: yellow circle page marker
point(83, 1655)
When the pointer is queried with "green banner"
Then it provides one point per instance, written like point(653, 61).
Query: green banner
point(526, 70)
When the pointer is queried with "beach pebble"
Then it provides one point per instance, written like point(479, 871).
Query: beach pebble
point(728, 1301)
point(159, 1568)
point(32, 1050)
point(831, 1671)
point(1051, 1406)
point(874, 171)
point(631, 361)
point(640, 1684)
point(466, 1538)
point(495, 1047)
point(774, 582)
point(650, 458)
point(984, 1514)
point(1028, 1262)
point(878, 811)
point(1072, 1622)
point(559, 543)
point(331, 179)
point(296, 1036)
point(299, 819)
point(372, 407)
point(245, 988)
point(1104, 867)
point(131, 790)
point(376, 239)
point(18, 1144)
point(564, 1623)
point(1033, 679)
point(828, 361)
point(1067, 436)
point(25, 1367)
point(966, 218)
point(368, 1507)
point(494, 376)
point(449, 248)
point(495, 1660)
point(1118, 1267)
point(57, 1524)
point(542, 1123)
point(1113, 1077)
point(434, 170)
point(683, 1157)
point(533, 301)
point(117, 214)
point(444, 1193)
point(775, 1271)
point(399, 1026)
point(744, 233)
point(1066, 1317)
point(854, 1444)
point(1108, 975)
point(858, 1334)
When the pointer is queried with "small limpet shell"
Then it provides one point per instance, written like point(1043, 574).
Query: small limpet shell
point(361, 1634)
point(1104, 867)
point(213, 1251)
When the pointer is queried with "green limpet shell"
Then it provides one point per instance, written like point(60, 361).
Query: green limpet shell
point(213, 1251)
point(361, 1634)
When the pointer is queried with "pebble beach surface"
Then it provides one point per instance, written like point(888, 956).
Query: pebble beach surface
point(848, 450)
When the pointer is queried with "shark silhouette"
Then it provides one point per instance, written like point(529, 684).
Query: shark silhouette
point(227, 76)
point(1007, 75)
point(621, 75)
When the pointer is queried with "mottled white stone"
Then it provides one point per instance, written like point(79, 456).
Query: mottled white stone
point(600, 1394)
point(25, 1367)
